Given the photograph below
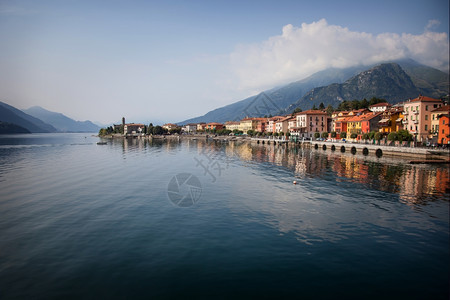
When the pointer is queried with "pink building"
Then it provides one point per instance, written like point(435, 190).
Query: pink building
point(310, 122)
point(417, 116)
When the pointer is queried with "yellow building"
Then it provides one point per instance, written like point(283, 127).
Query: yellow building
point(391, 120)
point(248, 124)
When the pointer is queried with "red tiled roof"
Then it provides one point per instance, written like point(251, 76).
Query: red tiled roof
point(380, 104)
point(424, 99)
point(445, 108)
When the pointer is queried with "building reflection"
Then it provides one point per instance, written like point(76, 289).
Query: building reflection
point(415, 184)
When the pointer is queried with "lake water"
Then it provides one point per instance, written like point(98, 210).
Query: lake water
point(195, 219)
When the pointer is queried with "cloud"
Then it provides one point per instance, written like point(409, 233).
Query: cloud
point(301, 51)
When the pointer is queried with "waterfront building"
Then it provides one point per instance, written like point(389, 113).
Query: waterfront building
point(170, 126)
point(417, 116)
point(310, 122)
point(339, 120)
point(201, 126)
point(391, 120)
point(281, 125)
point(189, 128)
point(369, 121)
point(440, 127)
point(232, 125)
point(133, 128)
point(271, 124)
point(214, 126)
point(380, 107)
point(247, 124)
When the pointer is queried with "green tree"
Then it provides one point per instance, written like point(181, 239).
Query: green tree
point(365, 136)
point(281, 133)
point(250, 132)
point(343, 135)
point(353, 136)
point(333, 134)
point(321, 106)
point(297, 110)
point(316, 135)
point(314, 107)
point(393, 136)
point(330, 109)
point(158, 130)
point(378, 136)
point(325, 135)
point(372, 135)
point(288, 134)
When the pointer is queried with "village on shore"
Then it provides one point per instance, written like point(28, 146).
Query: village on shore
point(423, 120)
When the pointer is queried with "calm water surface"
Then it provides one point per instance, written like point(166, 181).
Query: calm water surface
point(81, 220)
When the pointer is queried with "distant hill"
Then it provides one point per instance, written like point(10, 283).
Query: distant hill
point(10, 114)
point(8, 128)
point(393, 81)
point(61, 122)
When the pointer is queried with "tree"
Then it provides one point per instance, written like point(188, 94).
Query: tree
point(314, 107)
point(330, 109)
point(343, 135)
point(158, 130)
point(288, 134)
point(333, 134)
point(281, 133)
point(353, 136)
point(372, 135)
point(250, 132)
point(316, 135)
point(393, 136)
point(378, 136)
point(297, 110)
point(365, 136)
point(404, 135)
point(364, 103)
point(275, 134)
point(324, 135)
point(321, 106)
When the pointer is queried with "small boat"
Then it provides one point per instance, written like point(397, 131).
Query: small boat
point(102, 143)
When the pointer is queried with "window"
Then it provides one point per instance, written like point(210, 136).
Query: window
point(443, 122)
point(411, 118)
point(416, 128)
point(426, 117)
point(435, 106)
point(426, 127)
point(433, 117)
point(426, 107)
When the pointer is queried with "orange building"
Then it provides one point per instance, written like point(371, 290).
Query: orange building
point(214, 126)
point(444, 130)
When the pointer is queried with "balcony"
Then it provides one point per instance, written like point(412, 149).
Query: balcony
point(416, 121)
point(405, 113)
point(416, 112)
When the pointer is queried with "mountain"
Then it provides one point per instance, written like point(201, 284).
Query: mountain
point(10, 114)
point(7, 128)
point(61, 122)
point(386, 81)
point(275, 101)
point(407, 77)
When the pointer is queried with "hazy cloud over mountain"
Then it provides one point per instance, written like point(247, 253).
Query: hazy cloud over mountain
point(301, 51)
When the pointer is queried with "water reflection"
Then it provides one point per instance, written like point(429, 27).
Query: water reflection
point(415, 184)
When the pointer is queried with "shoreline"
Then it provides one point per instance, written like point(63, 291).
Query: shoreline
point(427, 154)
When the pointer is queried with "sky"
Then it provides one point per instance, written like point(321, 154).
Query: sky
point(167, 61)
